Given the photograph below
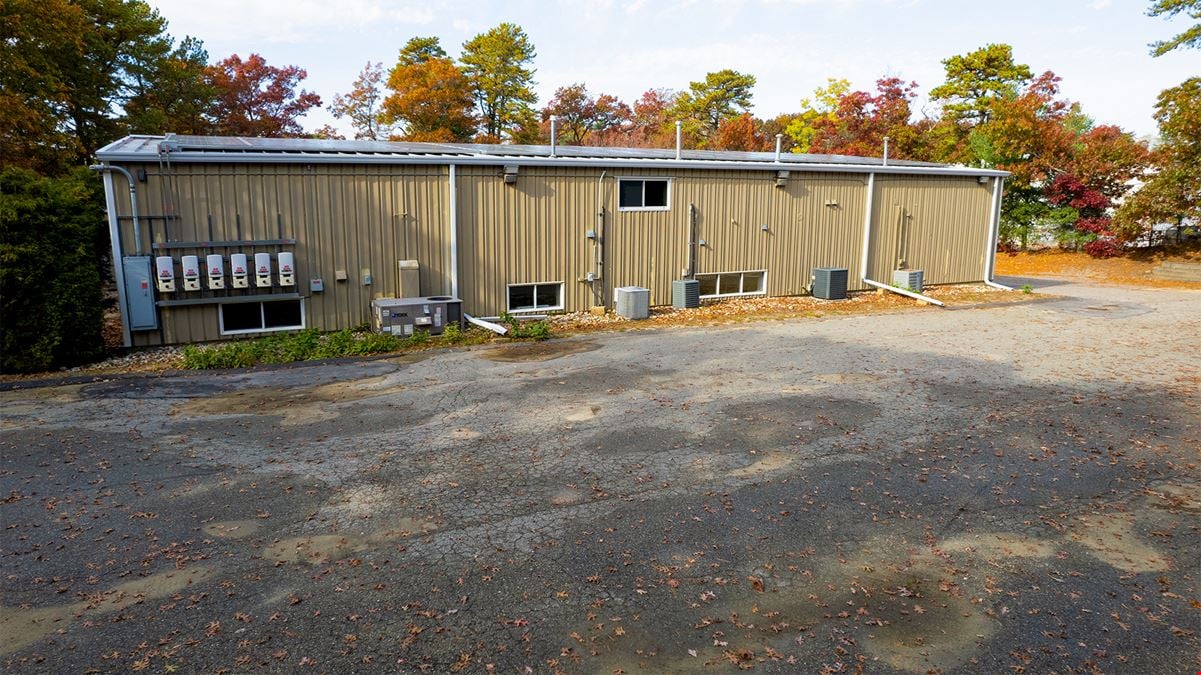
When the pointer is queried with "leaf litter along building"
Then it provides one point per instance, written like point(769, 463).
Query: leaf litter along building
point(508, 228)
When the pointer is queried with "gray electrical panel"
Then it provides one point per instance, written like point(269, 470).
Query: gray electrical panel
point(910, 280)
point(139, 293)
point(405, 316)
point(685, 293)
point(829, 283)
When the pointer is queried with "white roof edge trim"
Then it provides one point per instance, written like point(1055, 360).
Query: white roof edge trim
point(499, 160)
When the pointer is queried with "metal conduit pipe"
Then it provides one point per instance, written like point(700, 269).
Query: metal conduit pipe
point(133, 201)
point(867, 239)
point(598, 241)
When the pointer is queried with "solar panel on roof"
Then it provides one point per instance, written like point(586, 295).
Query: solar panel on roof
point(356, 148)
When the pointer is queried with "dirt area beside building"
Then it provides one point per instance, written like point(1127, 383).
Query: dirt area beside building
point(1137, 268)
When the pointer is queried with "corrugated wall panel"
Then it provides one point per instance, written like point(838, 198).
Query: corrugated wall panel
point(937, 224)
point(343, 217)
point(352, 218)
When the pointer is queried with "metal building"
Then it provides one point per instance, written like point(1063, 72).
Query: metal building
point(507, 228)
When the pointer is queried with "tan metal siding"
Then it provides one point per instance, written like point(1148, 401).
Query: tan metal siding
point(936, 224)
point(343, 217)
point(529, 232)
point(348, 217)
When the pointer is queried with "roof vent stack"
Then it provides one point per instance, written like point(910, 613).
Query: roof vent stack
point(679, 138)
point(554, 133)
point(886, 151)
point(779, 145)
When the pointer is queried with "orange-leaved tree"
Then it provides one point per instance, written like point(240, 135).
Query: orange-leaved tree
point(256, 99)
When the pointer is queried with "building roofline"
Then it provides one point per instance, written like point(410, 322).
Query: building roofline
point(226, 150)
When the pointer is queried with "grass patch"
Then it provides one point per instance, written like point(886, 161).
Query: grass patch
point(308, 345)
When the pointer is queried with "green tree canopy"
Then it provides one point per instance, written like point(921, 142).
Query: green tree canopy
point(52, 313)
point(977, 79)
point(67, 68)
point(1191, 37)
point(421, 49)
point(497, 64)
point(722, 95)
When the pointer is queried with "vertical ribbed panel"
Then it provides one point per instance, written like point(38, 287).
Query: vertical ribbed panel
point(347, 217)
point(343, 217)
point(936, 224)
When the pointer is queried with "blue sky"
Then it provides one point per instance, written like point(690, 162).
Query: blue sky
point(623, 47)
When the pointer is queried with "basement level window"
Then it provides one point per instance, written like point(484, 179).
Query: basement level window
point(728, 284)
point(261, 317)
point(535, 297)
point(643, 194)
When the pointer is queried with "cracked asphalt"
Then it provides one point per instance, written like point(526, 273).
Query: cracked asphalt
point(1004, 489)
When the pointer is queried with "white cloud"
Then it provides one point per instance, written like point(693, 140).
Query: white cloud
point(284, 21)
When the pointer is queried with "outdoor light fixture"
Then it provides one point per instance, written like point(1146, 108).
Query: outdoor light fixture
point(781, 178)
point(510, 173)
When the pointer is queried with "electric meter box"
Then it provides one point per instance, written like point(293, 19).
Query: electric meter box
point(215, 265)
point(164, 273)
point(287, 269)
point(262, 270)
point(139, 293)
point(191, 272)
point(404, 316)
point(239, 276)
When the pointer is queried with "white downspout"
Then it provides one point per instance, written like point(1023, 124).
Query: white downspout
point(994, 231)
point(867, 238)
point(454, 233)
point(867, 224)
point(114, 234)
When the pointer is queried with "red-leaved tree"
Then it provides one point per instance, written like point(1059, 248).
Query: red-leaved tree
point(255, 99)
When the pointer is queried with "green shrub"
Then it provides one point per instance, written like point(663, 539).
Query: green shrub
point(452, 334)
point(1027, 288)
point(526, 330)
point(51, 231)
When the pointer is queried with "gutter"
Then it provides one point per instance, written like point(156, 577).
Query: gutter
point(183, 157)
point(867, 238)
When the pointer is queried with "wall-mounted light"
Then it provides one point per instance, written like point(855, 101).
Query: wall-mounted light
point(510, 174)
point(763, 227)
point(142, 175)
point(781, 178)
point(983, 179)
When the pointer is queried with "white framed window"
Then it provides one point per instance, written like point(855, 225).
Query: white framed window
point(643, 194)
point(729, 284)
point(237, 318)
point(542, 297)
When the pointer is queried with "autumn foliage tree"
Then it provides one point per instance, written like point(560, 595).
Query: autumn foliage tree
point(581, 118)
point(361, 105)
point(743, 133)
point(256, 99)
point(861, 120)
point(431, 99)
